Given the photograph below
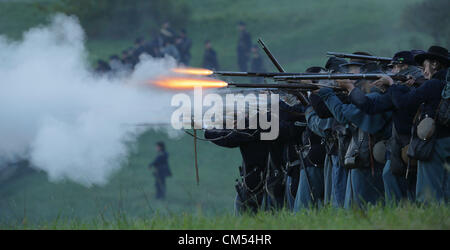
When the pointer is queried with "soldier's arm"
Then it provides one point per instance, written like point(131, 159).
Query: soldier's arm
point(345, 113)
point(316, 124)
point(371, 104)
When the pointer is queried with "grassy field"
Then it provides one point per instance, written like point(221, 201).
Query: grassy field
point(298, 33)
point(403, 217)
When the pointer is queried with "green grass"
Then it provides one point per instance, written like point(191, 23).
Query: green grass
point(131, 190)
point(402, 217)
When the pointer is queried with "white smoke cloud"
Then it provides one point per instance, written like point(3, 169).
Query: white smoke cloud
point(68, 121)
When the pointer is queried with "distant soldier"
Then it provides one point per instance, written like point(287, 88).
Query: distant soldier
point(139, 49)
point(102, 67)
point(170, 50)
point(184, 44)
point(244, 47)
point(114, 63)
point(166, 32)
point(162, 170)
point(257, 64)
point(210, 57)
point(127, 60)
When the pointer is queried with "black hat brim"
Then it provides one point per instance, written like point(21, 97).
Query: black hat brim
point(422, 57)
point(351, 64)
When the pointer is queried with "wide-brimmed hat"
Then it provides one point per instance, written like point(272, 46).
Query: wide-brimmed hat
point(437, 53)
point(334, 63)
point(355, 61)
point(371, 68)
point(403, 57)
point(315, 69)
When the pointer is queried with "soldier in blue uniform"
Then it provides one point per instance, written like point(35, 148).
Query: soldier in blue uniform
point(396, 186)
point(364, 183)
point(244, 47)
point(335, 137)
point(161, 170)
point(262, 170)
point(433, 179)
point(210, 57)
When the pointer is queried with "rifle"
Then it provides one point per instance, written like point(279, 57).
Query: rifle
point(256, 74)
point(338, 77)
point(291, 86)
point(271, 57)
point(302, 98)
point(364, 57)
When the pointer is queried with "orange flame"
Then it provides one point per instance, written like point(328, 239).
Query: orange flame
point(188, 83)
point(193, 71)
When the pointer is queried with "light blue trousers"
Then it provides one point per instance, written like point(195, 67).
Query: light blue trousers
point(433, 179)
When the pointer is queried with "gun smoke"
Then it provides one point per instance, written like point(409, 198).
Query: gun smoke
point(65, 119)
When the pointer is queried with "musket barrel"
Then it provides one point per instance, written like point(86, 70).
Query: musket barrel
point(332, 77)
point(256, 74)
point(271, 57)
point(365, 57)
point(297, 86)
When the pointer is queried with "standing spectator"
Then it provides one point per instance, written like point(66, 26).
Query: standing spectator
point(161, 170)
point(244, 47)
point(210, 57)
point(184, 44)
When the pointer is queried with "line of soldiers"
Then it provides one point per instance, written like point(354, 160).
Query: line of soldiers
point(380, 142)
point(166, 42)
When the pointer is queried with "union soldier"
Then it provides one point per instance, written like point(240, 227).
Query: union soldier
point(166, 33)
point(115, 64)
point(244, 47)
point(257, 64)
point(364, 183)
point(161, 170)
point(433, 178)
point(102, 67)
point(169, 49)
point(395, 184)
point(210, 57)
point(139, 49)
point(184, 44)
point(335, 139)
point(311, 179)
point(250, 189)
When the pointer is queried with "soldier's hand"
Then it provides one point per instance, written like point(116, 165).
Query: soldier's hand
point(411, 80)
point(384, 80)
point(301, 98)
point(346, 84)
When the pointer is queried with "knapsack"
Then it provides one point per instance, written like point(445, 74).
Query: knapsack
point(443, 112)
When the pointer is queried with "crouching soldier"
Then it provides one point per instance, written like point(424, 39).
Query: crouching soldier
point(254, 154)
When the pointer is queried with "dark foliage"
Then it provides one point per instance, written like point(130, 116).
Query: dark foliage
point(118, 18)
point(431, 17)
